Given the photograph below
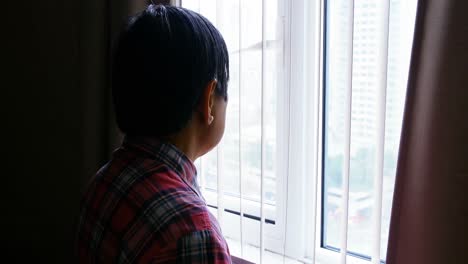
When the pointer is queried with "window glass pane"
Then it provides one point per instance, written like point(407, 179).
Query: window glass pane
point(363, 116)
point(192, 4)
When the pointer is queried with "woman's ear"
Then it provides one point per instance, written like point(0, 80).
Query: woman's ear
point(207, 102)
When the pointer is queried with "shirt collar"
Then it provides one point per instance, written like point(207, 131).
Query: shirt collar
point(168, 154)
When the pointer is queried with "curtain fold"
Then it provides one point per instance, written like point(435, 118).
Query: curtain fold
point(99, 23)
point(430, 208)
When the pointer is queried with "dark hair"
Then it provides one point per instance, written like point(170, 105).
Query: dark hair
point(163, 60)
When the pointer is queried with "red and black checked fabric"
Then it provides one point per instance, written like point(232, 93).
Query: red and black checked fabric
point(144, 206)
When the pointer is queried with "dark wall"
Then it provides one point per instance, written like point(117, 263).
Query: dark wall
point(56, 123)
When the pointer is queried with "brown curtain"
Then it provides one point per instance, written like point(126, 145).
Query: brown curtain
point(429, 221)
point(100, 22)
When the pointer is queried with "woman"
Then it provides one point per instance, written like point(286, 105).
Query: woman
point(170, 75)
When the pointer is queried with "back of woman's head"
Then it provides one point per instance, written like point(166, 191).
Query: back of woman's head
point(163, 60)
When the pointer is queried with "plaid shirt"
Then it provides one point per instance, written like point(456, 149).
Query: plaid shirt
point(144, 206)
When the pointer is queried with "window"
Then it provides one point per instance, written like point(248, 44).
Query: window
point(254, 58)
point(280, 163)
point(363, 118)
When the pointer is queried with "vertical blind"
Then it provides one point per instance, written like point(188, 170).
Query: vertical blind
point(367, 48)
point(382, 22)
point(267, 181)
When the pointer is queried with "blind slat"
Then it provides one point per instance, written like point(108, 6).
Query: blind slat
point(241, 193)
point(220, 147)
point(382, 59)
point(220, 185)
point(347, 137)
point(202, 175)
point(262, 142)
